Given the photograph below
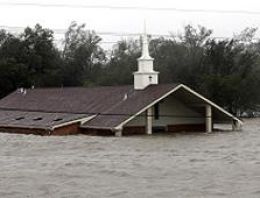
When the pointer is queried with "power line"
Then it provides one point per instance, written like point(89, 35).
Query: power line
point(116, 34)
point(112, 7)
point(63, 31)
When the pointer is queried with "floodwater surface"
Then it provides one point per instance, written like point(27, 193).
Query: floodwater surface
point(221, 164)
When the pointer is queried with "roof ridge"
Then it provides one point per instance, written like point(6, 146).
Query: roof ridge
point(94, 87)
point(77, 87)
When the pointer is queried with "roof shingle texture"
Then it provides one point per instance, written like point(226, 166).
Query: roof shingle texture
point(112, 105)
point(36, 120)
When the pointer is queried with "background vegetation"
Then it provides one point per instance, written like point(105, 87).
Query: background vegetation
point(226, 71)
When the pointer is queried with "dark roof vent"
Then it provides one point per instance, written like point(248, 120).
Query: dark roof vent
point(19, 118)
point(37, 119)
point(57, 119)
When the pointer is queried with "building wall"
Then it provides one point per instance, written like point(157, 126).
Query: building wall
point(186, 127)
point(178, 114)
point(138, 121)
point(101, 132)
point(71, 129)
point(134, 130)
point(172, 112)
point(26, 131)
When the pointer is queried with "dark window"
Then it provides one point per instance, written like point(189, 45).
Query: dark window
point(37, 119)
point(156, 111)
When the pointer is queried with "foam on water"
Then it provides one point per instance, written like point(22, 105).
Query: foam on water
point(178, 165)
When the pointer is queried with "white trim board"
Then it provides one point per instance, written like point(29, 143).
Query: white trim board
point(147, 107)
point(81, 120)
point(212, 103)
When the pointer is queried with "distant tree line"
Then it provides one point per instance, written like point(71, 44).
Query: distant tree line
point(226, 71)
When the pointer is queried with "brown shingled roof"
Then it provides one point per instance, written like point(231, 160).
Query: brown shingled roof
point(36, 120)
point(135, 102)
point(112, 105)
point(66, 100)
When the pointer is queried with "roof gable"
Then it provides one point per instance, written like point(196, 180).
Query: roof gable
point(135, 102)
point(126, 111)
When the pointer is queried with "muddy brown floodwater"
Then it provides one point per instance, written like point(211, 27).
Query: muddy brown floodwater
point(180, 165)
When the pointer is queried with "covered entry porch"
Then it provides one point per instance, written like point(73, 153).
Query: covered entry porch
point(181, 110)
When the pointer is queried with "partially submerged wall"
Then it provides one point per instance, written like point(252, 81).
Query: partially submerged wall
point(27, 131)
point(71, 129)
point(173, 116)
point(94, 131)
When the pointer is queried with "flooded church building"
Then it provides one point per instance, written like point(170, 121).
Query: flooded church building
point(145, 107)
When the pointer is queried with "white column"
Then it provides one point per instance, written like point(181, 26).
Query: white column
point(149, 121)
point(236, 125)
point(118, 132)
point(208, 119)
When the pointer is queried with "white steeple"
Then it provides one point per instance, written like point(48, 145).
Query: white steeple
point(145, 45)
point(145, 75)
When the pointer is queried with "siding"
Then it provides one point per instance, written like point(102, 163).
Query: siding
point(171, 106)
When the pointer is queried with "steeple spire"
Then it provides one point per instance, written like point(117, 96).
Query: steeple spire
point(145, 45)
point(145, 75)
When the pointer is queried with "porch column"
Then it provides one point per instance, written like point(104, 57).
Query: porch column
point(118, 132)
point(149, 121)
point(208, 119)
point(236, 126)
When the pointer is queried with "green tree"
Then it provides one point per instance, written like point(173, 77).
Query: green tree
point(29, 59)
point(122, 64)
point(82, 56)
point(41, 56)
point(226, 71)
point(230, 75)
point(12, 73)
point(180, 59)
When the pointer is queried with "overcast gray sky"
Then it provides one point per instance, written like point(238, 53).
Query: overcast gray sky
point(131, 20)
